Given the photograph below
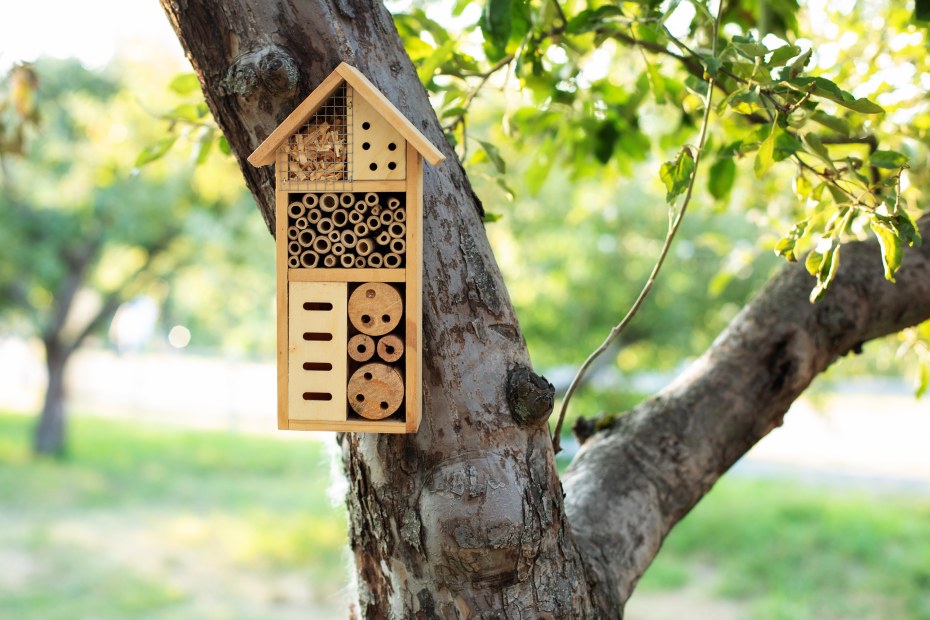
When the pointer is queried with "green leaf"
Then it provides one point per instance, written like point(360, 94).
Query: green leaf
point(831, 122)
point(802, 187)
point(751, 50)
point(891, 160)
point(489, 217)
point(224, 146)
point(676, 174)
point(204, 144)
point(186, 112)
point(184, 83)
point(826, 270)
point(155, 151)
point(765, 157)
point(592, 19)
point(783, 54)
point(923, 371)
point(797, 67)
point(786, 247)
point(604, 140)
point(721, 179)
point(823, 87)
point(813, 142)
point(496, 25)
point(891, 247)
point(922, 14)
point(494, 155)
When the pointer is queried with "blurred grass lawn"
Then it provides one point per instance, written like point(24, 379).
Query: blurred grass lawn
point(153, 522)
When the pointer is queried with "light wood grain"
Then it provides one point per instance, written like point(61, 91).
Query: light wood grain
point(281, 269)
point(361, 347)
point(378, 148)
point(304, 327)
point(375, 391)
point(342, 186)
point(414, 290)
point(375, 308)
point(390, 348)
point(346, 275)
point(352, 426)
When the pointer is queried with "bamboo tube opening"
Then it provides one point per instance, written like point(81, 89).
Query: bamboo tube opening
point(348, 238)
point(324, 225)
point(334, 236)
point(301, 223)
point(393, 203)
point(296, 209)
point(391, 260)
point(375, 260)
point(306, 238)
point(310, 200)
point(355, 217)
point(397, 230)
point(309, 259)
point(371, 198)
point(398, 246)
point(329, 202)
point(400, 215)
point(347, 260)
point(390, 348)
point(292, 232)
point(329, 260)
point(293, 261)
point(361, 206)
point(338, 249)
point(346, 199)
point(340, 218)
point(361, 347)
point(364, 247)
point(383, 238)
point(314, 216)
point(375, 391)
point(360, 262)
point(376, 210)
point(373, 222)
point(360, 230)
point(322, 245)
point(293, 247)
point(387, 217)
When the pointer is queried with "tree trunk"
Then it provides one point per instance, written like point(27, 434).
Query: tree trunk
point(466, 518)
point(49, 438)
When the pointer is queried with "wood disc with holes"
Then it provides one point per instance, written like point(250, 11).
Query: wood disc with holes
point(361, 347)
point(390, 348)
point(375, 391)
point(375, 308)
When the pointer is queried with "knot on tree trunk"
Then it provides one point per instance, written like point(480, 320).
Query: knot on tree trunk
point(530, 396)
point(272, 68)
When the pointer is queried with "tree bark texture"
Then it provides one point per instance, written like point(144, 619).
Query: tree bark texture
point(49, 437)
point(466, 518)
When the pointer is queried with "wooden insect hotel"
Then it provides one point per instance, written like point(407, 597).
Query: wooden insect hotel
point(349, 241)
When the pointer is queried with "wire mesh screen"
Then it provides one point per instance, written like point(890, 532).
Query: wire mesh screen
point(319, 155)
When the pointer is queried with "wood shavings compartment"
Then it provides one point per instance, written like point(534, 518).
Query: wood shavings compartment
point(349, 255)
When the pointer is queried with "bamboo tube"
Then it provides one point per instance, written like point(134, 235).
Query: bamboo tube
point(398, 246)
point(329, 202)
point(293, 248)
point(314, 216)
point(324, 225)
point(293, 261)
point(306, 238)
point(334, 236)
point(340, 218)
point(375, 391)
point(371, 198)
point(383, 238)
point(393, 203)
point(338, 249)
point(301, 223)
point(391, 260)
point(364, 247)
point(348, 238)
point(310, 200)
point(373, 222)
point(361, 347)
point(375, 308)
point(400, 215)
point(296, 209)
point(397, 230)
point(360, 262)
point(309, 259)
point(321, 245)
point(387, 217)
point(375, 260)
point(329, 261)
point(347, 260)
point(355, 217)
point(390, 348)
point(376, 210)
point(292, 232)
point(361, 206)
point(360, 230)
point(346, 199)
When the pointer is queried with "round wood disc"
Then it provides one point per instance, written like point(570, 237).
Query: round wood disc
point(375, 391)
point(361, 347)
point(390, 348)
point(375, 308)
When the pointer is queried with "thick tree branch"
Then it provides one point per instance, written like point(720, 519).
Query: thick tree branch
point(637, 478)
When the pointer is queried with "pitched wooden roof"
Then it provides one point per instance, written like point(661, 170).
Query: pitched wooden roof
point(265, 153)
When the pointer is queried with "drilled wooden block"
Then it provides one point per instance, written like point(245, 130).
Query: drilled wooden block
point(376, 391)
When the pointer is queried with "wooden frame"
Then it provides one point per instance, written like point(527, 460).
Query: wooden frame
point(344, 246)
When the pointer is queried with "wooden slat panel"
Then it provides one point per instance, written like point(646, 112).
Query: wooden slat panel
point(371, 130)
point(329, 322)
point(351, 426)
point(346, 275)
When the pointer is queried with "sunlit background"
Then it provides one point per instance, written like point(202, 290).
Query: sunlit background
point(177, 499)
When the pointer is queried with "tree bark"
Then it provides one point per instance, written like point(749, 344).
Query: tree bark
point(466, 518)
point(49, 437)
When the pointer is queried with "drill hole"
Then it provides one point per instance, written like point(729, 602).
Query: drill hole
point(386, 318)
point(370, 293)
point(366, 125)
point(392, 147)
point(389, 349)
point(373, 166)
point(384, 405)
point(361, 348)
point(360, 397)
point(366, 319)
point(391, 165)
point(365, 146)
point(367, 376)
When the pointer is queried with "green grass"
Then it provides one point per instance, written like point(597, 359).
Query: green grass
point(143, 521)
point(791, 552)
